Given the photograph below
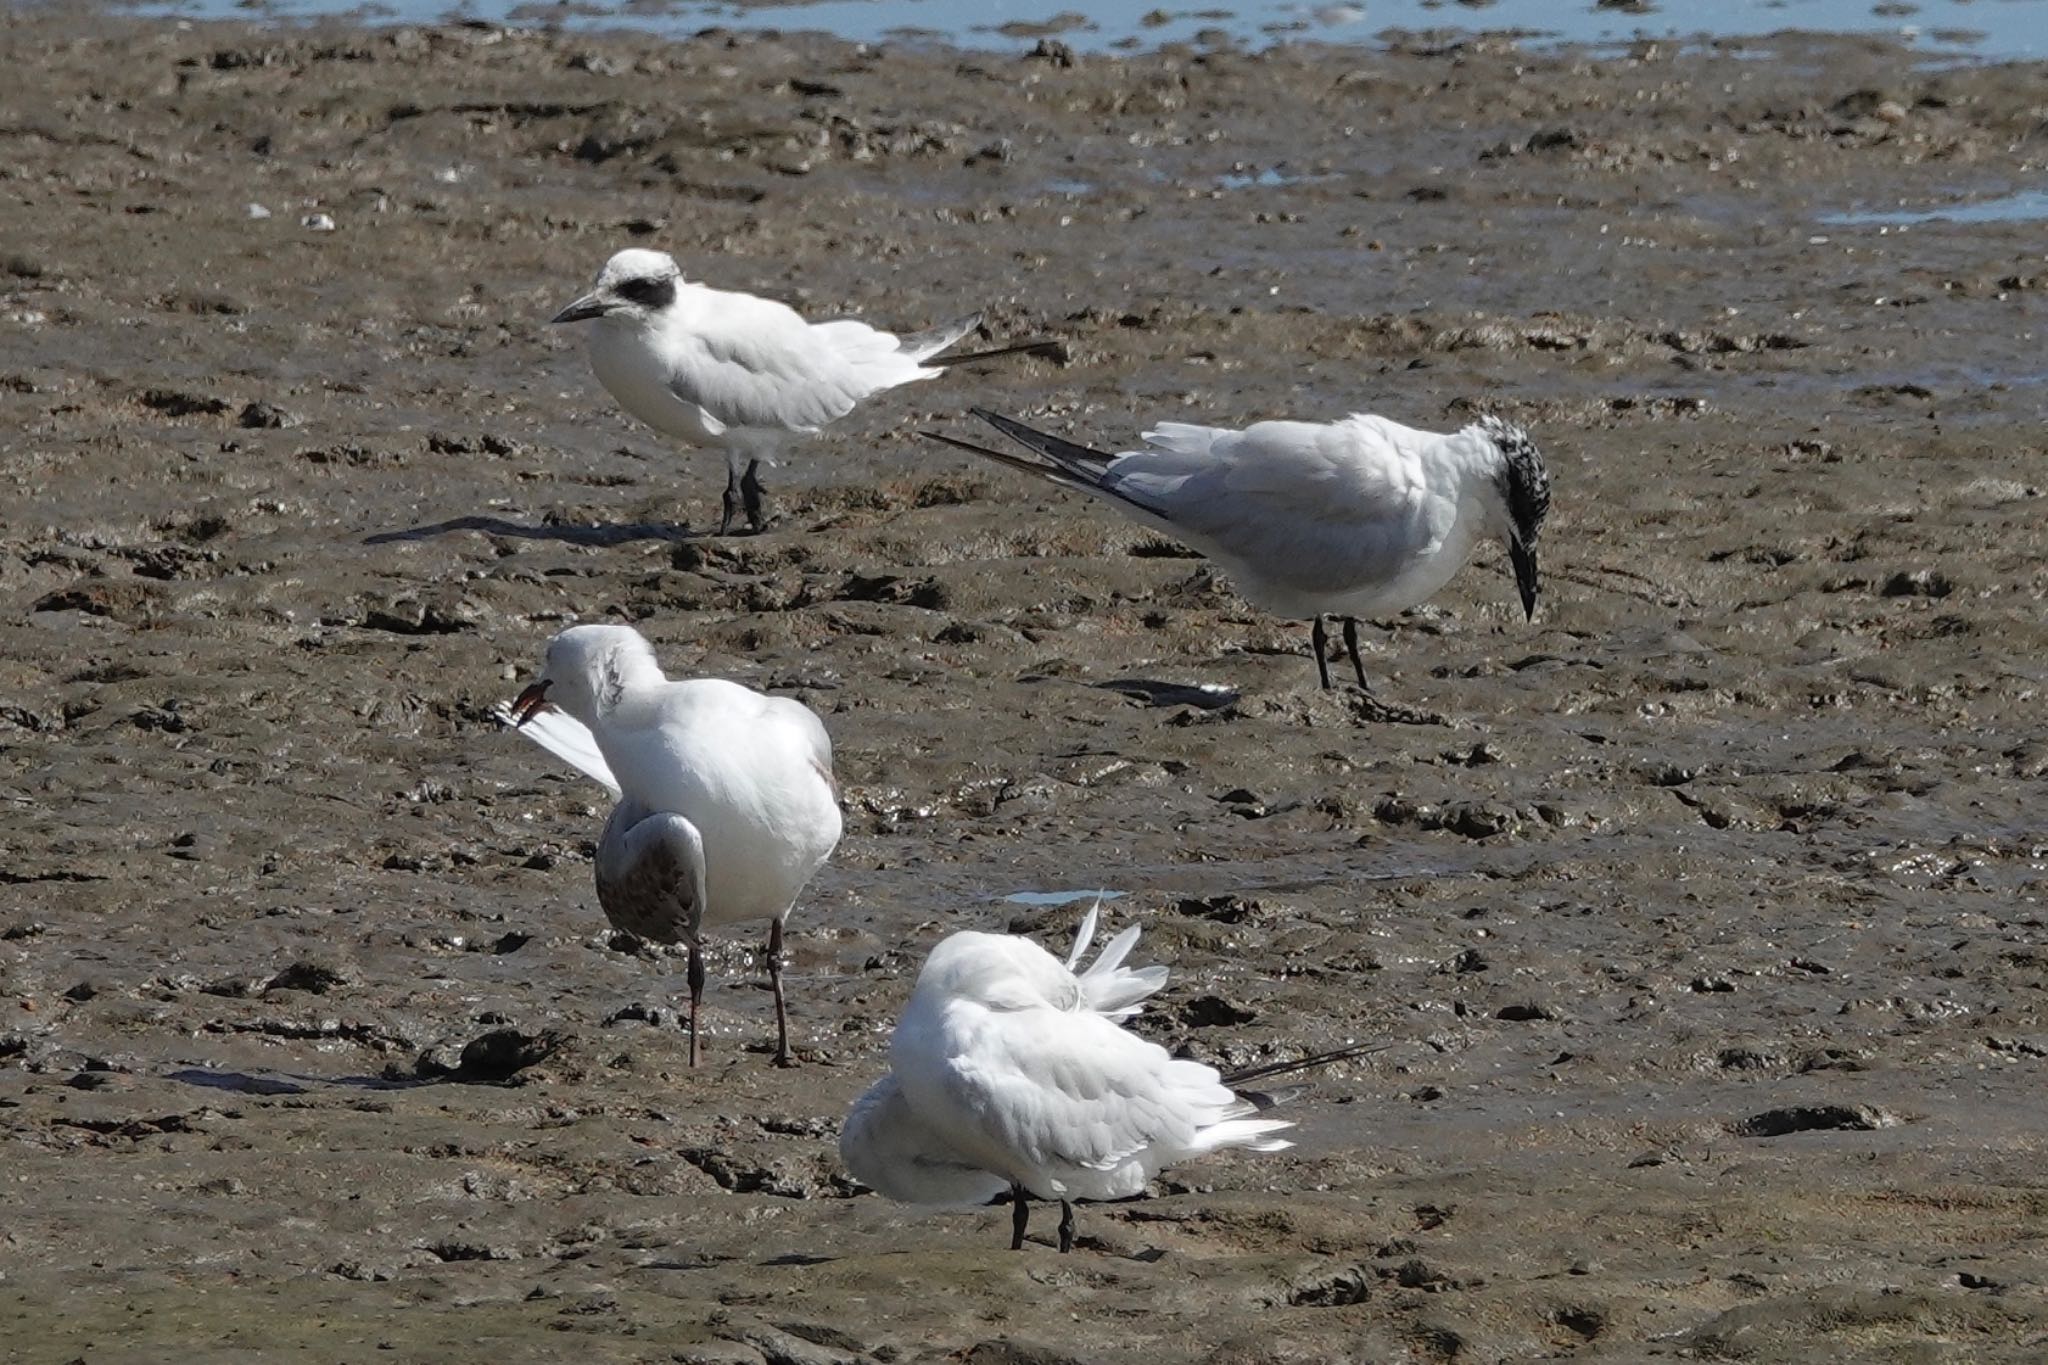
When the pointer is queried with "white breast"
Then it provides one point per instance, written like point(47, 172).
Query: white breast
point(631, 374)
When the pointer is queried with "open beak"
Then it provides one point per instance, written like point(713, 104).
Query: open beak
point(528, 703)
point(1525, 575)
point(588, 307)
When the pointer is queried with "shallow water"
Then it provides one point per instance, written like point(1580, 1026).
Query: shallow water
point(1986, 29)
point(2020, 206)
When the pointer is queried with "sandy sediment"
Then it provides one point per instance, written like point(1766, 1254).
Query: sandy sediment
point(1706, 931)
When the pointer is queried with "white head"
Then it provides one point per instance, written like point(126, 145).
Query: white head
point(588, 669)
point(634, 286)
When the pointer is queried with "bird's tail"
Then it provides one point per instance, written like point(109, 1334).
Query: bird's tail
point(1051, 350)
point(921, 346)
point(1239, 1127)
point(924, 347)
point(1258, 1101)
point(1256, 1134)
point(1067, 464)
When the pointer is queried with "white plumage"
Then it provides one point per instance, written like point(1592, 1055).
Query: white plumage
point(1358, 517)
point(727, 805)
point(1011, 1071)
point(737, 373)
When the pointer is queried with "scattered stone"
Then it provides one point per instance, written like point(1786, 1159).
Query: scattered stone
point(311, 977)
point(491, 1059)
point(1213, 1011)
point(1918, 583)
point(1814, 1118)
point(260, 416)
point(176, 403)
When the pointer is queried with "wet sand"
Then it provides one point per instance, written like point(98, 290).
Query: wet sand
point(1705, 932)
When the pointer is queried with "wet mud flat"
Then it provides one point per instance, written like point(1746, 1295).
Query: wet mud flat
point(1705, 932)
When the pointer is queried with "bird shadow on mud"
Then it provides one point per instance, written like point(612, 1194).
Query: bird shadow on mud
point(495, 1058)
point(243, 1083)
point(1154, 692)
point(622, 534)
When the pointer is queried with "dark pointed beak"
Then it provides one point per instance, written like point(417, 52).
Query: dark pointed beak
point(588, 307)
point(1525, 575)
point(528, 703)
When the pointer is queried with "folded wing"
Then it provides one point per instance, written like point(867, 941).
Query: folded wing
point(567, 739)
point(754, 363)
point(650, 874)
point(1072, 1106)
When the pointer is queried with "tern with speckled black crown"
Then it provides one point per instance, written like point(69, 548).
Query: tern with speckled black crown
point(1358, 517)
point(741, 374)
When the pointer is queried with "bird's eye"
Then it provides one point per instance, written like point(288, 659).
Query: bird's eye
point(652, 293)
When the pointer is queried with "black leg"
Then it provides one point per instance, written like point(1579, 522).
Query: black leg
point(696, 995)
point(775, 983)
point(750, 494)
point(1317, 643)
point(1066, 1227)
point(732, 499)
point(1020, 1214)
point(1351, 644)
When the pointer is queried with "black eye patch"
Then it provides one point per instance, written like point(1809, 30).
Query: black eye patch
point(649, 293)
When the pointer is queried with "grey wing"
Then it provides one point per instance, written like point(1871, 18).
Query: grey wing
point(761, 366)
point(650, 874)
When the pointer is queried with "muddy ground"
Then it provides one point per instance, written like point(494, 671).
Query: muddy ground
point(1705, 931)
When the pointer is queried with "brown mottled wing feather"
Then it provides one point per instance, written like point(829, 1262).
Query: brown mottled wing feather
point(650, 874)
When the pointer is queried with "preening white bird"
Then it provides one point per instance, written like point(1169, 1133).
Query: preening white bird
point(726, 808)
point(742, 374)
point(1011, 1071)
point(1359, 517)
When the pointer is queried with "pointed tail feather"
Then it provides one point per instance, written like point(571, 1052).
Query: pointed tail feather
point(1051, 350)
point(1251, 1133)
point(921, 346)
point(1076, 459)
point(1044, 471)
point(1073, 466)
point(1269, 1070)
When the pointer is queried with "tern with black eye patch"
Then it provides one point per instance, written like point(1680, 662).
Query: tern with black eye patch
point(741, 374)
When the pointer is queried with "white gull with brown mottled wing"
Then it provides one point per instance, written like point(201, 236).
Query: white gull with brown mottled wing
point(727, 806)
